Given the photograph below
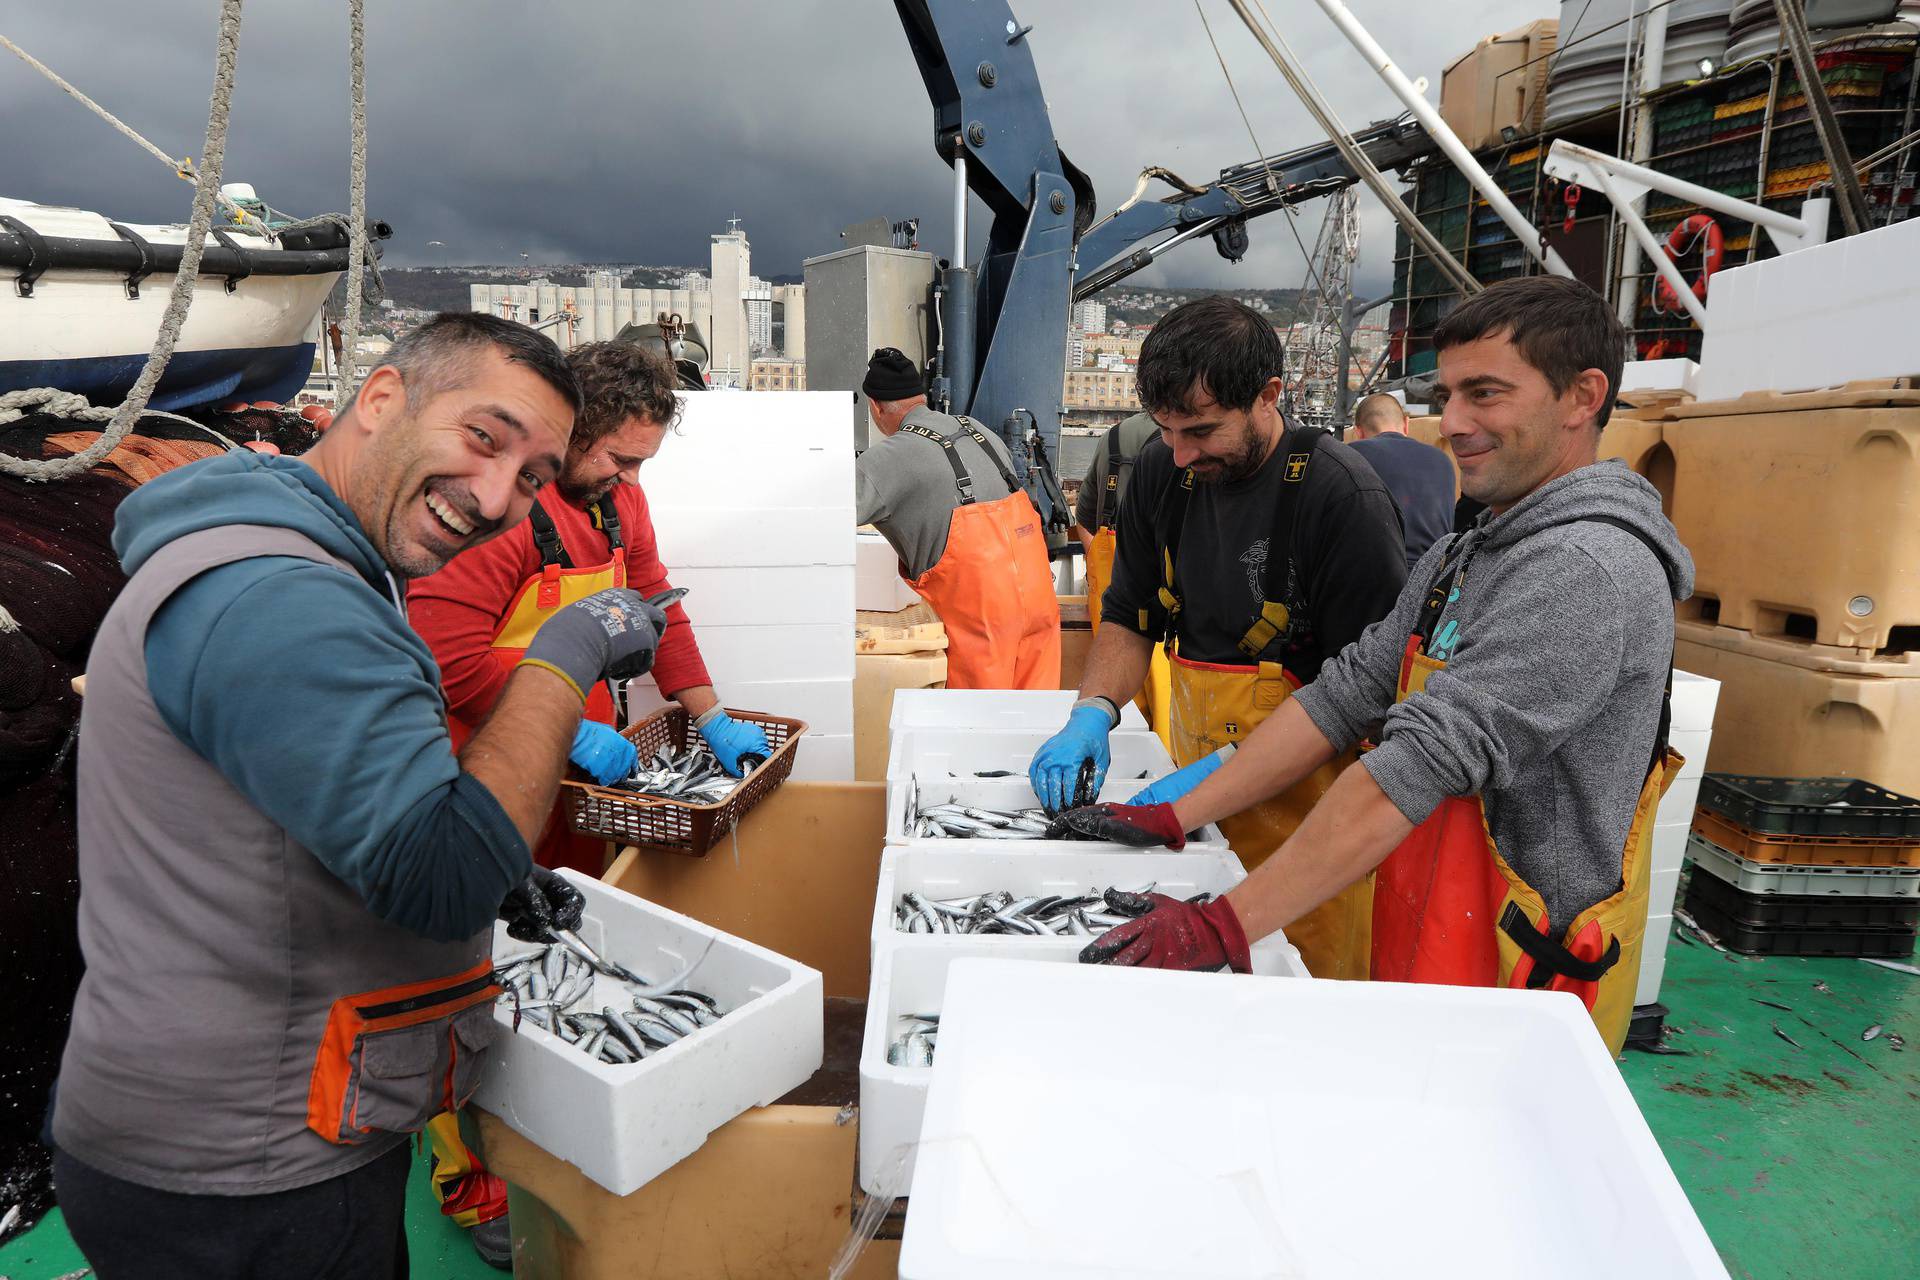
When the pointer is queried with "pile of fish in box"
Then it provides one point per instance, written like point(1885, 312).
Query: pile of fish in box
point(551, 988)
point(693, 775)
point(974, 822)
point(1052, 915)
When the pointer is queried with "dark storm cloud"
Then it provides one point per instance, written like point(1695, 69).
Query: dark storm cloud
point(603, 130)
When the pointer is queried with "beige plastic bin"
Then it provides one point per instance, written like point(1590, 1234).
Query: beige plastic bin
point(1784, 712)
point(1803, 513)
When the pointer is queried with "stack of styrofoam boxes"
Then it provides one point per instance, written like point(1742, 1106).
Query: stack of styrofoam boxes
point(940, 739)
point(1694, 699)
point(752, 499)
point(878, 587)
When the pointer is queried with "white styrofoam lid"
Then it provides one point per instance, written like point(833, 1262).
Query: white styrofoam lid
point(1087, 1121)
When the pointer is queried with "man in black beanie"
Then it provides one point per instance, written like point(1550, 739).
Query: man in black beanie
point(941, 491)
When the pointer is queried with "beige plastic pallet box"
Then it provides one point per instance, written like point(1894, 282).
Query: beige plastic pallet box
point(1803, 513)
point(1789, 709)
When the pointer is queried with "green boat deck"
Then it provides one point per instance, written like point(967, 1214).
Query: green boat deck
point(1802, 1158)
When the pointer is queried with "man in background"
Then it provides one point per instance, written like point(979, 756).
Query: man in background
point(1417, 475)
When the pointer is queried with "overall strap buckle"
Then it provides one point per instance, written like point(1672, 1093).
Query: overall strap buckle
point(1550, 959)
point(1271, 623)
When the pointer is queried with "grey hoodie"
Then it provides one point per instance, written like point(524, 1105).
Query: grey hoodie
point(1557, 644)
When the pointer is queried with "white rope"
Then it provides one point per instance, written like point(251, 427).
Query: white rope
point(182, 167)
point(213, 156)
point(356, 202)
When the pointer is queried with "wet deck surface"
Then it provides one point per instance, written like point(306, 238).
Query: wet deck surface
point(1800, 1158)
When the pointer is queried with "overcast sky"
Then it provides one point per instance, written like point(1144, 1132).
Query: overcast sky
point(619, 130)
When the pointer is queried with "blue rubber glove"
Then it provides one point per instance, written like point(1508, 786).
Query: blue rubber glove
point(602, 752)
point(1056, 767)
point(1177, 784)
point(732, 739)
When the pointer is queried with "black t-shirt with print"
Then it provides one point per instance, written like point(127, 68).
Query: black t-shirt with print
point(1347, 565)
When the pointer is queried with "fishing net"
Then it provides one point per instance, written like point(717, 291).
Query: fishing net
point(58, 575)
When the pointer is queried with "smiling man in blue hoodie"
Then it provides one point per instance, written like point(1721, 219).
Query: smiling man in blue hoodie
point(288, 878)
point(1517, 693)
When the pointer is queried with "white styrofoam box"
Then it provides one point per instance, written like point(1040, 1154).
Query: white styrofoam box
point(824, 757)
point(759, 595)
point(1669, 844)
point(762, 653)
point(826, 705)
point(931, 754)
point(1662, 887)
point(1261, 1116)
point(1677, 806)
point(1693, 745)
point(877, 585)
point(946, 869)
point(1002, 795)
point(1658, 375)
point(1694, 700)
point(1814, 318)
point(911, 978)
point(1653, 963)
point(706, 535)
point(622, 1126)
point(1042, 709)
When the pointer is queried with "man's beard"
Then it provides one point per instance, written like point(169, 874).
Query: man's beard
point(1240, 464)
point(585, 495)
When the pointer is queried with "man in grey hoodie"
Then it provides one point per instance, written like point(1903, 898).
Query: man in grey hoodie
point(1519, 677)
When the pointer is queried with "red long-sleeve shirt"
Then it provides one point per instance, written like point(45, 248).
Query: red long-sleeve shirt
point(458, 610)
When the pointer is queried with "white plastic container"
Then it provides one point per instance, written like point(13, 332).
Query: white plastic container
point(935, 753)
point(1003, 794)
point(909, 975)
point(1044, 710)
point(624, 1125)
point(1090, 1122)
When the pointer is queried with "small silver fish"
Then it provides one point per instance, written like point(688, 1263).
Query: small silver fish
point(1872, 1032)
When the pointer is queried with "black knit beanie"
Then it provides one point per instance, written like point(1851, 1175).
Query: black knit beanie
point(892, 376)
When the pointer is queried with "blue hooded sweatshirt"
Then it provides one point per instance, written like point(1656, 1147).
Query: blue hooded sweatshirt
point(306, 688)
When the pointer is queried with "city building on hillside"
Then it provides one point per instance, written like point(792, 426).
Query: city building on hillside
point(732, 307)
point(1089, 317)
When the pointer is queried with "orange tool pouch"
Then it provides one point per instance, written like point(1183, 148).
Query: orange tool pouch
point(392, 1059)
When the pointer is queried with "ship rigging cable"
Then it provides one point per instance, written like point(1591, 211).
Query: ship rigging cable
point(206, 186)
point(15, 404)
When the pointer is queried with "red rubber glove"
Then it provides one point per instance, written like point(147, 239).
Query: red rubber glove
point(1139, 825)
point(1171, 934)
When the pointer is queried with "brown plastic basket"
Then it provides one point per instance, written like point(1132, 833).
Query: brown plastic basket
point(626, 818)
point(1806, 851)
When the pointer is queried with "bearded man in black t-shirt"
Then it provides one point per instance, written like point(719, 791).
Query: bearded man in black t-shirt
point(1254, 549)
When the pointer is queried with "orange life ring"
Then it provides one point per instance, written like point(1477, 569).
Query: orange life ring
point(1680, 241)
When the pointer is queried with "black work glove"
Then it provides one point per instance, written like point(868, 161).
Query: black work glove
point(541, 904)
point(610, 633)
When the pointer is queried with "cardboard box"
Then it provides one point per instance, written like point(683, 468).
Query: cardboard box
point(876, 678)
point(1498, 83)
point(771, 1193)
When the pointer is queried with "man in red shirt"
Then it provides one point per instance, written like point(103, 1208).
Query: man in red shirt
point(588, 530)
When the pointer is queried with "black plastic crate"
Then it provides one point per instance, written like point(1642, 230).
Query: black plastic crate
point(1802, 911)
point(1812, 806)
point(1786, 940)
